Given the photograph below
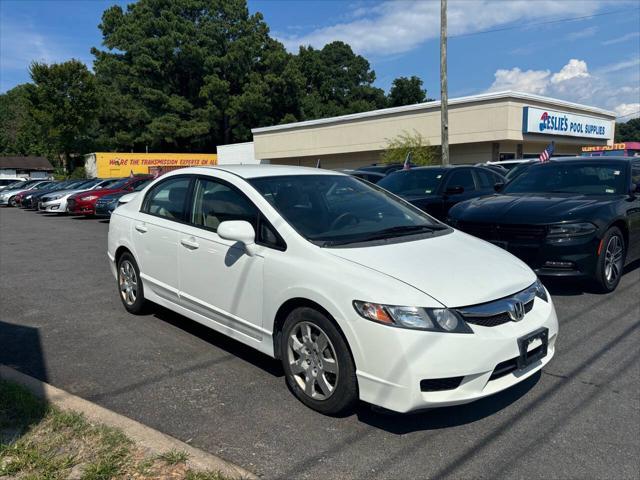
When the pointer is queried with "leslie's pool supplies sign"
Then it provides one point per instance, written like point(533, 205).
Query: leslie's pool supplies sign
point(553, 122)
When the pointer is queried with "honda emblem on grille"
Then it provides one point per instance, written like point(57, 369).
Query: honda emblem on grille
point(516, 313)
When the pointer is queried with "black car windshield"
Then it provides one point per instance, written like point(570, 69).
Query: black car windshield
point(116, 184)
point(142, 185)
point(593, 178)
point(424, 181)
point(338, 209)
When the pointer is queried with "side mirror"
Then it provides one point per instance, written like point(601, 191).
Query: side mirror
point(498, 186)
point(455, 190)
point(239, 231)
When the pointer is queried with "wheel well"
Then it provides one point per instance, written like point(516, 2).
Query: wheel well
point(120, 251)
point(289, 306)
point(624, 229)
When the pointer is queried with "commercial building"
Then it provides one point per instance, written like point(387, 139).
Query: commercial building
point(25, 167)
point(624, 149)
point(110, 165)
point(491, 126)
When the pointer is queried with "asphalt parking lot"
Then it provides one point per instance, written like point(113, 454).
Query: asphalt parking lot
point(61, 320)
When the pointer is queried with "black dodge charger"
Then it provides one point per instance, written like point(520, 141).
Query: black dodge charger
point(577, 217)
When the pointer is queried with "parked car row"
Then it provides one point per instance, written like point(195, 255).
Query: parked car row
point(97, 196)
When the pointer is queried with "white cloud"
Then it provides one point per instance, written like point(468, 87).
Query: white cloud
point(399, 26)
point(574, 69)
point(584, 33)
point(627, 111)
point(621, 39)
point(603, 87)
point(529, 81)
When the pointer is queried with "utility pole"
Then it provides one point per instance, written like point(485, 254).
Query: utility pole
point(444, 95)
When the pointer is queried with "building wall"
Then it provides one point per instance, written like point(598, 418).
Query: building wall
point(236, 153)
point(478, 131)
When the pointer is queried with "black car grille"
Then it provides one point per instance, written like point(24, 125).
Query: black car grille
point(509, 366)
point(504, 232)
point(440, 384)
point(495, 320)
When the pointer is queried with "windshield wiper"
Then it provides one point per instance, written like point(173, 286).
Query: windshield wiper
point(386, 233)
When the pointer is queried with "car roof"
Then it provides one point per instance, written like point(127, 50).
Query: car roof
point(580, 159)
point(256, 171)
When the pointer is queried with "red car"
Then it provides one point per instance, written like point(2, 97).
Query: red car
point(84, 203)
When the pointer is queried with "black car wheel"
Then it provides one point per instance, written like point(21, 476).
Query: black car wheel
point(12, 202)
point(611, 260)
point(317, 362)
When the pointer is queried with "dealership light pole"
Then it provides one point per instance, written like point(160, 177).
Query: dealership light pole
point(444, 96)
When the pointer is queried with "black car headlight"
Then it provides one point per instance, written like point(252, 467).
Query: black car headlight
point(568, 230)
point(441, 320)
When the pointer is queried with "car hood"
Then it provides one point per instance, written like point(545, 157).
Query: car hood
point(455, 269)
point(426, 198)
point(529, 207)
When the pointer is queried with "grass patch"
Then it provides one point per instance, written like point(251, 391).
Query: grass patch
point(39, 441)
point(173, 457)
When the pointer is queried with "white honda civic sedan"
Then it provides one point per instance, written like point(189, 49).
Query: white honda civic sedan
point(357, 292)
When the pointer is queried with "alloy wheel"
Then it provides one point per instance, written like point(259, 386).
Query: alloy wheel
point(613, 258)
point(312, 360)
point(128, 281)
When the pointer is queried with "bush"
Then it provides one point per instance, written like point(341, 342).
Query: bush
point(421, 152)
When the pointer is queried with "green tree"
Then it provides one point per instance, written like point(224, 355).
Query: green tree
point(19, 132)
point(186, 75)
point(63, 98)
point(407, 91)
point(336, 82)
point(628, 131)
point(410, 143)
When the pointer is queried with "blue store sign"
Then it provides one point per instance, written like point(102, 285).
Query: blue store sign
point(553, 122)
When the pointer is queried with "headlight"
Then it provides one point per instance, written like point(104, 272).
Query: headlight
point(88, 198)
point(566, 230)
point(416, 318)
point(540, 290)
point(54, 197)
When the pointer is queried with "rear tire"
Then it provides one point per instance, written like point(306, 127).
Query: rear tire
point(317, 362)
point(610, 263)
point(130, 288)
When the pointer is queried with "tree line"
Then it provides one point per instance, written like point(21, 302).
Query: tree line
point(185, 76)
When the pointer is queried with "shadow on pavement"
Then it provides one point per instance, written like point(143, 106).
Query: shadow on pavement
point(219, 340)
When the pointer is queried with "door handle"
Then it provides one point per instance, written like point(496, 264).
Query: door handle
point(191, 244)
point(141, 228)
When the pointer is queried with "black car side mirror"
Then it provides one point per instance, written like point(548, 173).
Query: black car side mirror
point(498, 186)
point(456, 190)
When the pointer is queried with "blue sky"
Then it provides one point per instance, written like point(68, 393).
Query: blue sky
point(586, 51)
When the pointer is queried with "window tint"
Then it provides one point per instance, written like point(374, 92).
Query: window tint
point(487, 180)
point(215, 202)
point(413, 182)
point(462, 178)
point(167, 199)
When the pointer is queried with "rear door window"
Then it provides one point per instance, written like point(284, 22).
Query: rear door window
point(462, 178)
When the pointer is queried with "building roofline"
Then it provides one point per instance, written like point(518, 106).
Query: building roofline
point(436, 104)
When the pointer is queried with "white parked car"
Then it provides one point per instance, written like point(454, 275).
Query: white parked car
point(357, 292)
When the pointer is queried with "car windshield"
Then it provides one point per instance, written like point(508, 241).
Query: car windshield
point(424, 181)
point(516, 171)
point(116, 183)
point(142, 185)
point(563, 177)
point(42, 186)
point(338, 209)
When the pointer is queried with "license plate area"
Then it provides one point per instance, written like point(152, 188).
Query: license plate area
point(533, 347)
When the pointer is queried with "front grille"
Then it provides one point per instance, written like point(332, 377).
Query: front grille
point(440, 384)
point(71, 204)
point(510, 366)
point(504, 232)
point(495, 320)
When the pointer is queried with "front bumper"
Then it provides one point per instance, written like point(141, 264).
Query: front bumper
point(53, 206)
point(397, 360)
point(81, 207)
point(104, 209)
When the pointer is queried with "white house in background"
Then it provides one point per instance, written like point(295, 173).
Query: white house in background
point(237, 153)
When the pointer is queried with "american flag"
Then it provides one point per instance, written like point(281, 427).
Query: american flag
point(407, 161)
point(547, 152)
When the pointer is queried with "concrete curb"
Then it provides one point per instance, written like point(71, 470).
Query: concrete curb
point(154, 441)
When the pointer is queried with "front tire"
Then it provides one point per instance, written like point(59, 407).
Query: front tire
point(12, 202)
point(611, 260)
point(317, 363)
point(130, 285)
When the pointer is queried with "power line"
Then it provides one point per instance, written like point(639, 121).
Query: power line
point(549, 22)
